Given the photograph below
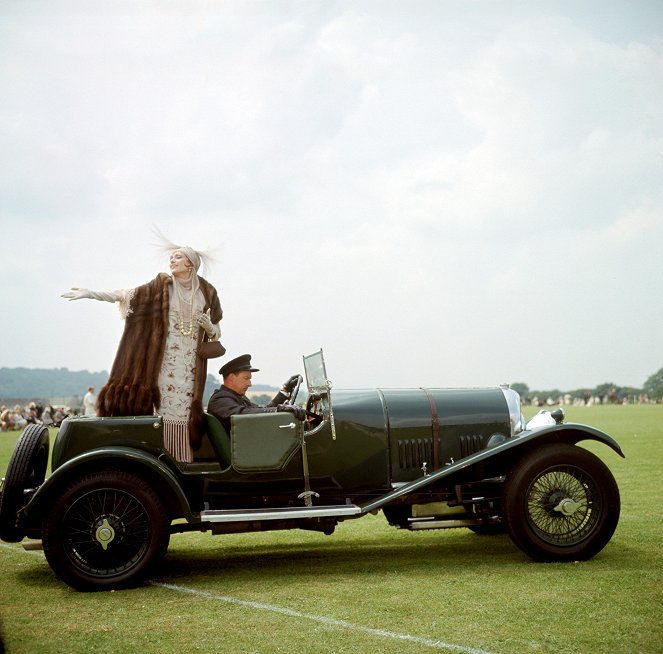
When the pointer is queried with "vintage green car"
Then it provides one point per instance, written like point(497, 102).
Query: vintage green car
point(428, 458)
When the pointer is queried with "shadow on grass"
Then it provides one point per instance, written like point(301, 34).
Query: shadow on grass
point(369, 556)
point(38, 575)
point(448, 554)
point(459, 552)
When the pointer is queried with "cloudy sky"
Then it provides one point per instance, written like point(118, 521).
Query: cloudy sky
point(437, 193)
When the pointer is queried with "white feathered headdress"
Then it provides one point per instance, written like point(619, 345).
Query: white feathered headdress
point(197, 257)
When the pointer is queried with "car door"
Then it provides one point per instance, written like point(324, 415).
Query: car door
point(264, 442)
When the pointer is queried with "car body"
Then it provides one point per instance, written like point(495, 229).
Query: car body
point(428, 458)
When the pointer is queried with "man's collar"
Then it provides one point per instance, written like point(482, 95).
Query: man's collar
point(232, 391)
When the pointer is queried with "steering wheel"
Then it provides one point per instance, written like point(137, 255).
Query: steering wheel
point(295, 390)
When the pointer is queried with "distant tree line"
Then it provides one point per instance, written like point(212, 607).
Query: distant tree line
point(58, 385)
point(609, 392)
point(67, 387)
point(42, 383)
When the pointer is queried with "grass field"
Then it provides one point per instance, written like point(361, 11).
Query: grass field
point(369, 587)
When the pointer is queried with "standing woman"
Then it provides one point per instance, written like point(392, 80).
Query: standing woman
point(159, 367)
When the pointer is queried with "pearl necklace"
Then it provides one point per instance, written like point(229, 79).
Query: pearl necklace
point(184, 327)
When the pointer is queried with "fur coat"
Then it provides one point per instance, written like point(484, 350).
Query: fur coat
point(132, 388)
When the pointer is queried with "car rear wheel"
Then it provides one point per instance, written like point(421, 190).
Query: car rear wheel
point(561, 503)
point(106, 530)
point(26, 470)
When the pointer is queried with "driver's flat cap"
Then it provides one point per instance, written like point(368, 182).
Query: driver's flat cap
point(238, 364)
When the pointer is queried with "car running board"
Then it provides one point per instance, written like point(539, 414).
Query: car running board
point(281, 513)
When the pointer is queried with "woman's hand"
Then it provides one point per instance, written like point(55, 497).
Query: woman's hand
point(77, 294)
point(205, 322)
point(87, 294)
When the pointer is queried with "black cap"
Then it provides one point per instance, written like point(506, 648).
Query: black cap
point(237, 365)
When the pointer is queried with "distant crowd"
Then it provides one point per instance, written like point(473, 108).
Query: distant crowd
point(589, 400)
point(33, 413)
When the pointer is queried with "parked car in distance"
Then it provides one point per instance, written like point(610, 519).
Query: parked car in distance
point(428, 458)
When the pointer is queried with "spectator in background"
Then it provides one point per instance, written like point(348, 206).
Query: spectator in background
point(6, 422)
point(90, 402)
point(59, 415)
point(47, 416)
point(18, 418)
point(32, 413)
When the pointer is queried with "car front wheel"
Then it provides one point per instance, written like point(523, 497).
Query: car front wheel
point(106, 530)
point(560, 503)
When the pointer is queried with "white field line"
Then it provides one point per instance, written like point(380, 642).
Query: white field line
point(331, 622)
point(321, 619)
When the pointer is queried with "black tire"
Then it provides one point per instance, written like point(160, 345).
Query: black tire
point(105, 531)
point(561, 503)
point(26, 470)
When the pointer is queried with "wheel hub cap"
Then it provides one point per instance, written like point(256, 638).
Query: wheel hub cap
point(105, 533)
point(567, 506)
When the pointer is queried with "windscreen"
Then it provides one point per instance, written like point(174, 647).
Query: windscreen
point(316, 375)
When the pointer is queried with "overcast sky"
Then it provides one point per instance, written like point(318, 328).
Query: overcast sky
point(437, 193)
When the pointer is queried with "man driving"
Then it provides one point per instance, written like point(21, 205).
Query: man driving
point(230, 399)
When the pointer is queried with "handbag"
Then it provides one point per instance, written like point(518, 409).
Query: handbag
point(211, 349)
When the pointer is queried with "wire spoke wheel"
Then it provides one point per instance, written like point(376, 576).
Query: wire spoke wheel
point(106, 531)
point(560, 503)
point(563, 505)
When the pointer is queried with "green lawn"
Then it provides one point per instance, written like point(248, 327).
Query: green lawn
point(370, 588)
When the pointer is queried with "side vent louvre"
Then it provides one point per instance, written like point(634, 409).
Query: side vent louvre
point(413, 453)
point(471, 444)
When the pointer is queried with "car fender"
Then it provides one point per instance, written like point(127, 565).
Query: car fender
point(126, 458)
point(495, 461)
point(571, 433)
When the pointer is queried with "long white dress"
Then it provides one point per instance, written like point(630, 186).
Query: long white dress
point(176, 380)
point(177, 374)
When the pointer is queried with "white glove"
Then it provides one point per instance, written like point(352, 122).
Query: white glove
point(205, 322)
point(86, 294)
